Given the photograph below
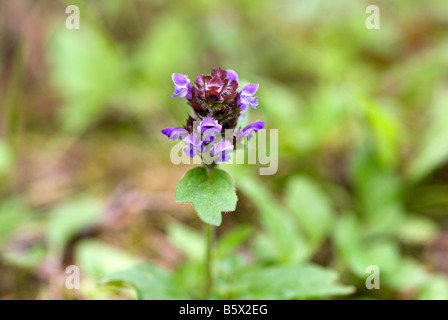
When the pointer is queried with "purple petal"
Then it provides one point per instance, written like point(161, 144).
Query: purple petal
point(251, 129)
point(223, 149)
point(249, 89)
point(222, 146)
point(243, 105)
point(180, 80)
point(194, 145)
point(232, 75)
point(175, 133)
point(208, 127)
point(192, 140)
point(253, 101)
point(257, 125)
point(223, 157)
point(209, 136)
point(245, 97)
point(181, 92)
point(192, 150)
point(245, 101)
point(168, 131)
point(182, 86)
point(209, 123)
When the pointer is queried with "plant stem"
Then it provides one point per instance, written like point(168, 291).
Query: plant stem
point(208, 284)
point(209, 167)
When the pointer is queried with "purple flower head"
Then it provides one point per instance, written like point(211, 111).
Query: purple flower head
point(218, 105)
point(194, 145)
point(247, 98)
point(209, 127)
point(223, 149)
point(249, 130)
point(182, 86)
point(175, 133)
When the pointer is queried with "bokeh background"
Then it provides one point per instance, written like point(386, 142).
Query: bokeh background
point(85, 175)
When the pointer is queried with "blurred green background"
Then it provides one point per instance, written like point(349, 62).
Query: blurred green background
point(85, 175)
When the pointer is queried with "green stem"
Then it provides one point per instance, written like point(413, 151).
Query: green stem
point(208, 284)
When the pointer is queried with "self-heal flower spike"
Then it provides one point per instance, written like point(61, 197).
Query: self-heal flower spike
point(247, 98)
point(194, 145)
point(216, 107)
point(209, 128)
point(175, 133)
point(222, 149)
point(182, 85)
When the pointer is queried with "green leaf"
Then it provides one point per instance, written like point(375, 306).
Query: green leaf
point(266, 250)
point(150, 282)
point(6, 158)
point(385, 131)
point(70, 218)
point(31, 258)
point(311, 208)
point(187, 240)
point(13, 214)
point(98, 259)
point(378, 190)
point(435, 288)
point(290, 244)
point(417, 230)
point(157, 64)
point(76, 73)
point(348, 241)
point(189, 278)
point(433, 149)
point(289, 282)
point(232, 239)
point(358, 252)
point(327, 114)
point(210, 194)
